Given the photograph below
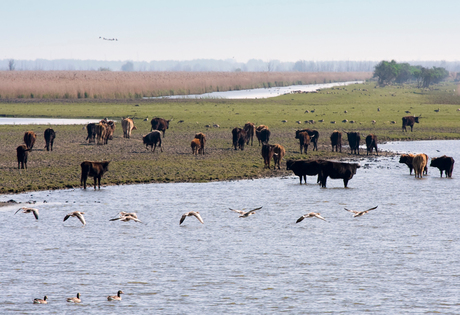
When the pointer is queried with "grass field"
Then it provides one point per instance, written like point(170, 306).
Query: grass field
point(132, 163)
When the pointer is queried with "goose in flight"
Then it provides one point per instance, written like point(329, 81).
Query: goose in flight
point(196, 214)
point(78, 215)
point(310, 215)
point(127, 217)
point(29, 210)
point(74, 299)
point(115, 297)
point(40, 301)
point(360, 213)
point(245, 214)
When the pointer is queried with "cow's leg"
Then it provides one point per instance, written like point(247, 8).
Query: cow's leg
point(95, 183)
point(300, 177)
point(305, 179)
point(345, 182)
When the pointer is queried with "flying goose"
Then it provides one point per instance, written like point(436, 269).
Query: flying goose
point(310, 215)
point(127, 218)
point(245, 214)
point(74, 299)
point(76, 214)
point(188, 214)
point(40, 301)
point(115, 297)
point(360, 213)
point(29, 210)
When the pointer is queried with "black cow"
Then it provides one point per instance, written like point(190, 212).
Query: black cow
point(49, 138)
point(152, 139)
point(93, 169)
point(444, 163)
point(409, 121)
point(263, 134)
point(314, 136)
point(336, 170)
point(239, 137)
point(29, 139)
point(336, 141)
point(159, 124)
point(91, 130)
point(371, 143)
point(304, 140)
point(353, 141)
point(22, 151)
point(303, 168)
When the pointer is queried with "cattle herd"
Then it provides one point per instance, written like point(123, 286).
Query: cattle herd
point(103, 131)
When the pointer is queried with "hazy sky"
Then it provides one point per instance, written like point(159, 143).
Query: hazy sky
point(287, 30)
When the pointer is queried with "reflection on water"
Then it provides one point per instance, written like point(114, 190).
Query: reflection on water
point(44, 121)
point(399, 258)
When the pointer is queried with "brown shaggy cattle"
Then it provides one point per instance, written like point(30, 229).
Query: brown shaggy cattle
point(95, 170)
point(152, 139)
point(101, 130)
point(353, 141)
point(371, 143)
point(267, 154)
point(128, 125)
point(159, 124)
point(29, 139)
point(444, 163)
point(91, 130)
point(239, 137)
point(263, 134)
point(419, 163)
point(304, 140)
point(49, 138)
point(336, 170)
point(314, 136)
point(202, 137)
point(278, 154)
point(303, 168)
point(250, 129)
point(196, 146)
point(336, 141)
point(22, 153)
point(407, 159)
point(409, 121)
point(110, 129)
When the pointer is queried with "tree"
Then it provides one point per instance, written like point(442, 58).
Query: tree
point(11, 65)
point(386, 72)
point(128, 66)
point(300, 66)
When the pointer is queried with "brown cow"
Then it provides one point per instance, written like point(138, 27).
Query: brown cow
point(304, 140)
point(407, 159)
point(101, 130)
point(419, 164)
point(250, 129)
point(49, 138)
point(110, 129)
point(409, 121)
point(336, 141)
point(196, 146)
point(128, 125)
point(444, 163)
point(314, 136)
point(22, 153)
point(267, 154)
point(202, 137)
point(159, 124)
point(239, 137)
point(29, 139)
point(278, 154)
point(95, 170)
point(371, 143)
point(152, 139)
point(263, 134)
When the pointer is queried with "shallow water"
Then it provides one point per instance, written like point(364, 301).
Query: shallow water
point(400, 258)
point(44, 121)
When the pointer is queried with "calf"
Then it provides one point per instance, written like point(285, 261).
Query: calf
point(336, 170)
point(95, 170)
point(336, 141)
point(419, 163)
point(304, 140)
point(267, 154)
point(303, 168)
point(49, 138)
point(239, 137)
point(22, 151)
point(353, 141)
point(29, 139)
point(196, 146)
point(444, 163)
point(371, 143)
point(409, 121)
point(278, 154)
point(152, 139)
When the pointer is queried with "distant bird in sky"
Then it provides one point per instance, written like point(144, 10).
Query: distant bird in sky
point(360, 213)
point(245, 214)
point(78, 215)
point(110, 39)
point(196, 214)
point(29, 210)
point(310, 215)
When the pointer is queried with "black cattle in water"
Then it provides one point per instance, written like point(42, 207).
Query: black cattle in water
point(159, 124)
point(95, 170)
point(337, 170)
point(314, 136)
point(444, 163)
point(152, 139)
point(302, 168)
point(91, 131)
point(336, 141)
point(353, 141)
point(409, 121)
point(239, 137)
point(22, 151)
point(49, 138)
point(371, 143)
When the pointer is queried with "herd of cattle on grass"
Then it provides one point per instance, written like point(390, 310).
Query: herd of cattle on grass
point(103, 131)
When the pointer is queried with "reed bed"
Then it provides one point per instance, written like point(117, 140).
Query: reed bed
point(134, 85)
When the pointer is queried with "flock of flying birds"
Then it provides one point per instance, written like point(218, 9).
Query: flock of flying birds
point(110, 39)
point(131, 216)
point(77, 299)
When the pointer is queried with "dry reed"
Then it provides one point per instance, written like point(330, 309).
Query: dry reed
point(119, 85)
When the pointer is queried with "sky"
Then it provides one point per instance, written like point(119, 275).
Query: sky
point(287, 30)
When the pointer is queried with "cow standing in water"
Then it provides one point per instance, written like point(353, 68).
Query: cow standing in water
point(336, 170)
point(303, 168)
point(95, 170)
point(371, 143)
point(29, 139)
point(444, 163)
point(49, 138)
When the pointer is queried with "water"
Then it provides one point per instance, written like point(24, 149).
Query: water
point(401, 258)
point(45, 121)
point(262, 93)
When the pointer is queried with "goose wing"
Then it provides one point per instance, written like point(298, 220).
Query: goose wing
point(114, 219)
point(352, 211)
point(80, 216)
point(238, 211)
point(253, 210)
point(67, 216)
point(372, 208)
point(319, 217)
point(183, 218)
point(198, 216)
point(35, 212)
point(301, 218)
point(18, 210)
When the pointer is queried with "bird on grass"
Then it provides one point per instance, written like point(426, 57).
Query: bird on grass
point(40, 301)
point(29, 210)
point(360, 213)
point(196, 214)
point(115, 297)
point(245, 214)
point(310, 215)
point(74, 299)
point(78, 215)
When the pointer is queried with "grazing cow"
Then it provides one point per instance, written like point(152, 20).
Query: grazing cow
point(303, 168)
point(409, 121)
point(93, 169)
point(407, 159)
point(101, 130)
point(250, 129)
point(419, 163)
point(336, 170)
point(202, 138)
point(353, 141)
point(159, 124)
point(152, 139)
point(128, 125)
point(49, 138)
point(29, 139)
point(371, 143)
point(336, 141)
point(278, 154)
point(304, 140)
point(22, 151)
point(196, 146)
point(444, 163)
point(91, 130)
point(263, 134)
point(109, 130)
point(267, 154)
point(239, 137)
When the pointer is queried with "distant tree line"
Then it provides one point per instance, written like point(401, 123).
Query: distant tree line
point(389, 72)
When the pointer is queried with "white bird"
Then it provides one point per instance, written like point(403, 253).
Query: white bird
point(245, 214)
point(360, 213)
point(78, 215)
point(115, 297)
point(29, 210)
point(310, 215)
point(74, 299)
point(196, 214)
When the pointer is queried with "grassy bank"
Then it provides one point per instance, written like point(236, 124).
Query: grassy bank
point(132, 163)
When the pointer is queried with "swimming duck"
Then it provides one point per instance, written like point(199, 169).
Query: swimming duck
point(29, 210)
point(115, 297)
point(310, 215)
point(246, 214)
point(196, 214)
point(76, 214)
